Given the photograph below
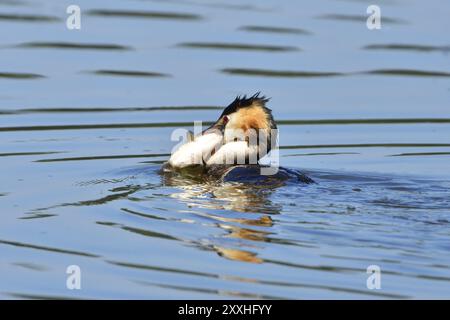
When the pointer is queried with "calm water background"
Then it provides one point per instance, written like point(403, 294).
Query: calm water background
point(86, 118)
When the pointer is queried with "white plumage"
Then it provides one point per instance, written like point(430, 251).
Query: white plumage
point(196, 152)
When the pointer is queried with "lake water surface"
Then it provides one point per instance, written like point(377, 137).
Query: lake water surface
point(85, 123)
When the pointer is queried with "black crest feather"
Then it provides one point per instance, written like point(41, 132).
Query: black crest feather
point(244, 102)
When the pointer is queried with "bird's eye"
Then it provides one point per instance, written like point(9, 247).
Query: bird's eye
point(225, 119)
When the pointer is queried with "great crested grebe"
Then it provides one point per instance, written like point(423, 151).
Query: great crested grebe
point(243, 134)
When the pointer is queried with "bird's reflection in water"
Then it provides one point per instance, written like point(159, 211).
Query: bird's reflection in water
point(239, 255)
point(240, 193)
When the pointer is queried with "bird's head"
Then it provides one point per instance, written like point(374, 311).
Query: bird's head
point(244, 116)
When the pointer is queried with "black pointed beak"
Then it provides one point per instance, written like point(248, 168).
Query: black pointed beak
point(217, 127)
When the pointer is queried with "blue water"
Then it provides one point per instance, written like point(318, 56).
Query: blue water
point(83, 135)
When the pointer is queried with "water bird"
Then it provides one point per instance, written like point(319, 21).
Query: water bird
point(243, 134)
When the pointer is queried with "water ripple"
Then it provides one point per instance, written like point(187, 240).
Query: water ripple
point(129, 73)
point(144, 14)
point(407, 47)
point(51, 249)
point(359, 18)
point(107, 109)
point(279, 73)
point(276, 30)
point(319, 74)
point(73, 45)
point(237, 46)
point(20, 76)
point(408, 73)
point(28, 18)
